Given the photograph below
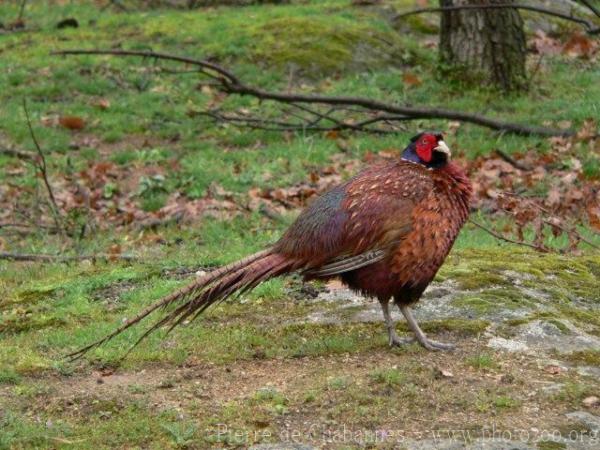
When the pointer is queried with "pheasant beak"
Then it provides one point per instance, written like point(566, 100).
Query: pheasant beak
point(443, 148)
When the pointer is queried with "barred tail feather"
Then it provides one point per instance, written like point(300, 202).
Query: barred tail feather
point(201, 293)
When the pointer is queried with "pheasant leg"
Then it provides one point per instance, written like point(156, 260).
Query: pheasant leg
point(420, 336)
point(393, 339)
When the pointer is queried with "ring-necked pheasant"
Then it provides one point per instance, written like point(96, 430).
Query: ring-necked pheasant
point(385, 232)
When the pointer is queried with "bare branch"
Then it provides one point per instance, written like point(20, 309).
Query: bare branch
point(40, 164)
point(571, 231)
point(590, 6)
point(61, 258)
point(28, 156)
point(590, 27)
point(281, 125)
point(232, 85)
point(507, 239)
point(225, 74)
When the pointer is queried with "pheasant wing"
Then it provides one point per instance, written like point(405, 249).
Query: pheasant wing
point(356, 224)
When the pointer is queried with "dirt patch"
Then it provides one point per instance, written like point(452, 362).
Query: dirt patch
point(409, 391)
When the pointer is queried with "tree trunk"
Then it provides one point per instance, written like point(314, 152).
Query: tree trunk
point(487, 46)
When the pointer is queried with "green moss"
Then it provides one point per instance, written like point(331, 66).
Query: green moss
point(551, 445)
point(476, 279)
point(9, 376)
point(575, 392)
point(560, 325)
point(461, 326)
point(590, 320)
point(492, 300)
point(319, 45)
point(19, 321)
point(584, 357)
point(504, 401)
point(481, 361)
point(560, 277)
point(518, 322)
point(389, 377)
point(339, 383)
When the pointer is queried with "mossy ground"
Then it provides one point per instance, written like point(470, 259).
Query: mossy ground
point(174, 392)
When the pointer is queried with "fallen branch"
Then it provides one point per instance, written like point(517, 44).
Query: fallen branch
point(61, 258)
point(231, 84)
point(258, 123)
point(509, 240)
point(590, 27)
point(587, 3)
point(28, 156)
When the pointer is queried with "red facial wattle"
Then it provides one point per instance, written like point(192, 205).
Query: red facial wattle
point(424, 148)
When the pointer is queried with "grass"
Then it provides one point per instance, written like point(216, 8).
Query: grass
point(217, 368)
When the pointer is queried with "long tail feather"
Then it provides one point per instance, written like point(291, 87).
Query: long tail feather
point(238, 281)
point(196, 296)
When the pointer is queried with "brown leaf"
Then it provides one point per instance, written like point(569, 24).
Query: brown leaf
point(593, 212)
point(588, 131)
point(72, 122)
point(333, 135)
point(553, 198)
point(411, 79)
point(545, 45)
point(556, 226)
point(103, 103)
point(580, 45)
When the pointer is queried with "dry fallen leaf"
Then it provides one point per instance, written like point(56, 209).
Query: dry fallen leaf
point(103, 103)
point(580, 45)
point(333, 135)
point(593, 212)
point(553, 197)
point(446, 373)
point(545, 45)
point(72, 122)
point(411, 79)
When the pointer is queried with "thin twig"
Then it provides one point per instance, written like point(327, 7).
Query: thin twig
point(512, 161)
point(535, 70)
point(568, 230)
point(573, 231)
point(507, 239)
point(590, 28)
point(43, 168)
point(280, 125)
point(230, 84)
point(64, 258)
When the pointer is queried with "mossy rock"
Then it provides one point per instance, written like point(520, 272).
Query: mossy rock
point(319, 47)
